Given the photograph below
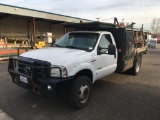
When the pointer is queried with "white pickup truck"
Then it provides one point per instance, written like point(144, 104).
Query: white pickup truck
point(75, 62)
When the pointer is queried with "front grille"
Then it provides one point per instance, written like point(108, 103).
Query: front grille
point(35, 69)
point(25, 67)
point(42, 69)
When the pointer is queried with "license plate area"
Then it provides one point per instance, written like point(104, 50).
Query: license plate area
point(23, 79)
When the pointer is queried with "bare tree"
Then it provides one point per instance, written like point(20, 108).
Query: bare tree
point(155, 25)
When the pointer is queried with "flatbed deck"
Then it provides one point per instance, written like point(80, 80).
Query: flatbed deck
point(141, 49)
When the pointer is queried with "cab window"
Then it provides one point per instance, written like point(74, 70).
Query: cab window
point(105, 41)
point(103, 44)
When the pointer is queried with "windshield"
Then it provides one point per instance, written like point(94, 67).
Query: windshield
point(84, 41)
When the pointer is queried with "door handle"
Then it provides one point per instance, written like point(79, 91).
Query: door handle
point(99, 68)
point(93, 60)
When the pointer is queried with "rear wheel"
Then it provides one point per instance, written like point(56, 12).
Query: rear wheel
point(80, 92)
point(136, 65)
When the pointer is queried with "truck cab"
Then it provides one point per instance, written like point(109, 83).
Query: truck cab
point(94, 46)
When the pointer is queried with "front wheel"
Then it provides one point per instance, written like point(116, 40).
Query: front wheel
point(80, 92)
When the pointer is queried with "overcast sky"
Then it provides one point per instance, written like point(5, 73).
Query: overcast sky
point(138, 11)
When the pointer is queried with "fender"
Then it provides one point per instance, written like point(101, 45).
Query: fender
point(79, 67)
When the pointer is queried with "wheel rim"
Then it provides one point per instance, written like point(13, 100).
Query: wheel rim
point(84, 93)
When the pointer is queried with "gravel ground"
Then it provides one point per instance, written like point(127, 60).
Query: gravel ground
point(115, 97)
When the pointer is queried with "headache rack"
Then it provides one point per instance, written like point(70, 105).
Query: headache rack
point(99, 26)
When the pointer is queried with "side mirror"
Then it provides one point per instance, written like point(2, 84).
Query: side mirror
point(101, 50)
point(111, 49)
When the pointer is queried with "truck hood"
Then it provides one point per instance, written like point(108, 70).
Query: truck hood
point(54, 55)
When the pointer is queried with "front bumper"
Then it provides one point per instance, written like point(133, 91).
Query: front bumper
point(43, 84)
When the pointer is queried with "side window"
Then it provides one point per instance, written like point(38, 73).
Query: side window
point(105, 41)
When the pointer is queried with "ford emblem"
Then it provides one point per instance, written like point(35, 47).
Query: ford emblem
point(27, 70)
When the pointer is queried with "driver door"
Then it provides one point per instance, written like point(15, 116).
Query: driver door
point(105, 64)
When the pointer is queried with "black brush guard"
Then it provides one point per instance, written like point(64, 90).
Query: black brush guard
point(38, 76)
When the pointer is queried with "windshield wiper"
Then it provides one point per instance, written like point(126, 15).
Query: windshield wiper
point(74, 47)
point(71, 46)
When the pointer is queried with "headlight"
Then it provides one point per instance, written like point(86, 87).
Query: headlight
point(55, 72)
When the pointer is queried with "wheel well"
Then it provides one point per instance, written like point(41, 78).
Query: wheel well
point(85, 72)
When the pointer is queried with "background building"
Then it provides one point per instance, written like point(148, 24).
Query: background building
point(19, 24)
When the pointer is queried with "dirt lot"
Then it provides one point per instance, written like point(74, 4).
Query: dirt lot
point(116, 97)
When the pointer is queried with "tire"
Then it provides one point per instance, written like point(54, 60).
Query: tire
point(146, 52)
point(136, 65)
point(80, 92)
